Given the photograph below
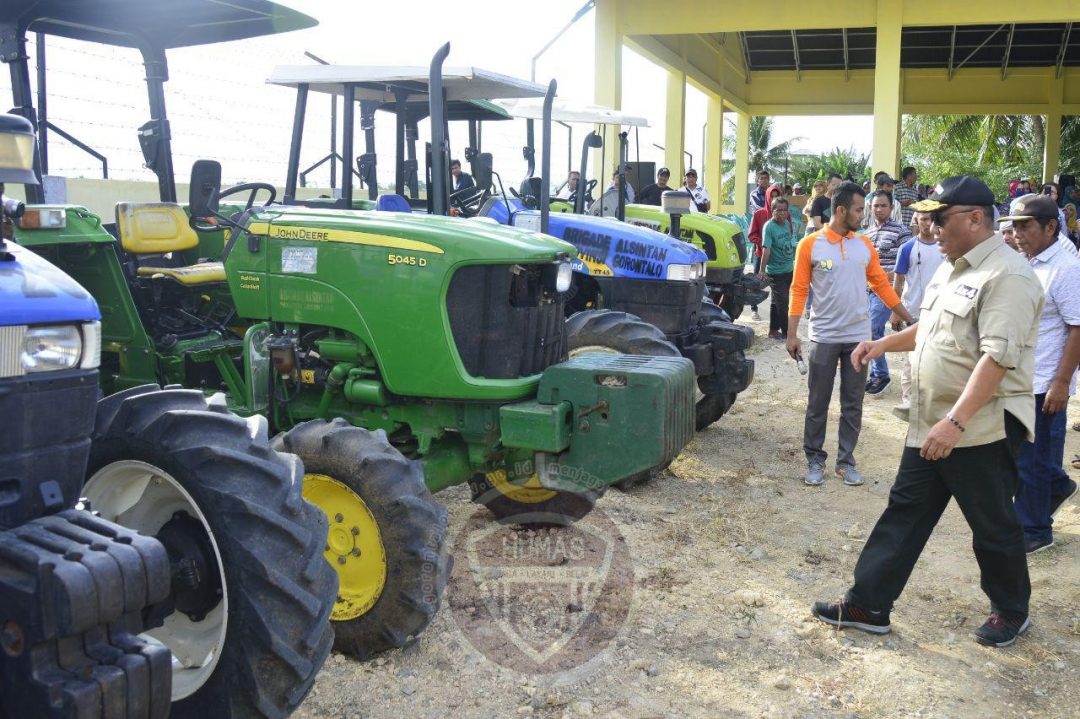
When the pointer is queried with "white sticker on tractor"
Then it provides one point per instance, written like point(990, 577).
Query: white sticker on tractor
point(299, 260)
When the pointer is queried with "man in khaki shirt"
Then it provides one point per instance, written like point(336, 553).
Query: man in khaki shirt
point(971, 407)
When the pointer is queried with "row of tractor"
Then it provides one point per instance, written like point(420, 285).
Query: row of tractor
point(327, 366)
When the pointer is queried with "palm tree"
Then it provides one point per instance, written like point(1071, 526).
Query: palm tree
point(993, 147)
point(776, 159)
point(763, 155)
point(846, 163)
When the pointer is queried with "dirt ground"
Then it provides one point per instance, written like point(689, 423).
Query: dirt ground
point(727, 551)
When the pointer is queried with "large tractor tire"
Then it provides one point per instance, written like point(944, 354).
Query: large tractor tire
point(524, 501)
point(386, 534)
point(711, 407)
point(611, 332)
point(251, 590)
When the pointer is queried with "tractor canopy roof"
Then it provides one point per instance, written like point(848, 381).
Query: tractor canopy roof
point(528, 108)
point(386, 83)
point(159, 24)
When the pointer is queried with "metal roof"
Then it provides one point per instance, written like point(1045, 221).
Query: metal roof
point(946, 46)
point(155, 23)
point(566, 111)
point(375, 82)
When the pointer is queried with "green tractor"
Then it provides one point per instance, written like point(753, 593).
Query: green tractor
point(435, 345)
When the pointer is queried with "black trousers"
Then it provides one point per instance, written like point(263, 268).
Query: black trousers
point(983, 480)
point(778, 307)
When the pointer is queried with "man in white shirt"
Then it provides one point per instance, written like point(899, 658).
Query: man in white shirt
point(1044, 484)
point(569, 188)
point(701, 203)
point(916, 262)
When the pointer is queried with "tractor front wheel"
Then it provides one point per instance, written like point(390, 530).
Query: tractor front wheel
point(711, 407)
point(251, 592)
point(607, 331)
point(524, 501)
point(386, 534)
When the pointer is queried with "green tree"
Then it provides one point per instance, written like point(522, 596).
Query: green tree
point(846, 163)
point(995, 148)
point(763, 154)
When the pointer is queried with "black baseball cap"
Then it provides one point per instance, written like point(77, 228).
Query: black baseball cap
point(962, 190)
point(1032, 207)
point(663, 171)
point(691, 171)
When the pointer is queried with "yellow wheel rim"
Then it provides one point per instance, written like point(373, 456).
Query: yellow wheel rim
point(528, 492)
point(353, 545)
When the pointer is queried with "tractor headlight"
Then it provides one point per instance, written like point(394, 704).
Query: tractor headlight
point(680, 273)
point(46, 349)
point(91, 342)
point(564, 277)
point(699, 270)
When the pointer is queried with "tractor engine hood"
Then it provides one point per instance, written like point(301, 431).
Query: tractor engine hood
point(605, 246)
point(463, 241)
point(34, 291)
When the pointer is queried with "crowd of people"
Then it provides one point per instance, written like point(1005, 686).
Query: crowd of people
point(984, 304)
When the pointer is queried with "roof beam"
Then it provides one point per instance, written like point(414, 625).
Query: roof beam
point(1008, 51)
point(952, 51)
point(1061, 50)
point(847, 68)
point(981, 46)
point(795, 47)
point(746, 55)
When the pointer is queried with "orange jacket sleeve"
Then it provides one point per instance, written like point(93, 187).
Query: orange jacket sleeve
point(877, 278)
point(800, 280)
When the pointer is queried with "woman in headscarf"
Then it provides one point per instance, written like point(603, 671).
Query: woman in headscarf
point(1071, 228)
point(757, 224)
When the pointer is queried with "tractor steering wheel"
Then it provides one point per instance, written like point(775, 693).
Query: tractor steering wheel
point(589, 187)
point(252, 188)
point(467, 201)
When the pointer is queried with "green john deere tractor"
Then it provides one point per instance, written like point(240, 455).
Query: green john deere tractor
point(435, 345)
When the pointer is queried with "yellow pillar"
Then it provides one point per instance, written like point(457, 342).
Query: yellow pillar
point(1052, 146)
point(675, 124)
point(714, 151)
point(607, 84)
point(742, 161)
point(887, 90)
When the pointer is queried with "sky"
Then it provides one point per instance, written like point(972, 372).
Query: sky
point(220, 106)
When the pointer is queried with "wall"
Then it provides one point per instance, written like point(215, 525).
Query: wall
point(101, 196)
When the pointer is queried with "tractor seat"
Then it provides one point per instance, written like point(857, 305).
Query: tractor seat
point(392, 203)
point(152, 231)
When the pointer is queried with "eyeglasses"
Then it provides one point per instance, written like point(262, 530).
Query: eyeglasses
point(938, 218)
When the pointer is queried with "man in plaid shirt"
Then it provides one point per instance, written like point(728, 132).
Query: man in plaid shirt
point(906, 194)
point(887, 235)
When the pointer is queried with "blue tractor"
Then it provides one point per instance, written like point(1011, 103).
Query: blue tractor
point(156, 554)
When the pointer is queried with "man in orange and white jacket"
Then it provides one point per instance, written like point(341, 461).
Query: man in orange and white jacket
point(838, 264)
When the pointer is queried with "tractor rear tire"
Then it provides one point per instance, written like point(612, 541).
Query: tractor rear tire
point(379, 497)
point(159, 455)
point(618, 333)
point(733, 309)
point(711, 407)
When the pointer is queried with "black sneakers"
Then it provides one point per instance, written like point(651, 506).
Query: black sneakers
point(1000, 630)
point(877, 385)
point(1031, 546)
point(843, 614)
point(1056, 502)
